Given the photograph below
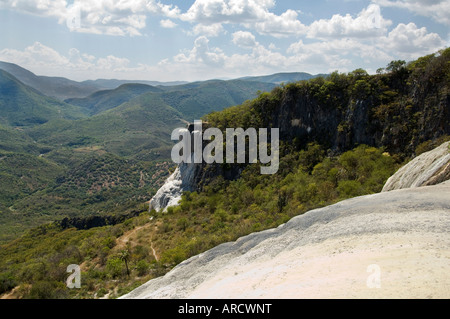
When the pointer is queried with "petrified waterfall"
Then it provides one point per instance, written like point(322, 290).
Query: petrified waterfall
point(182, 179)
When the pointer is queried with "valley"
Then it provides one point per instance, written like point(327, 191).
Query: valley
point(104, 152)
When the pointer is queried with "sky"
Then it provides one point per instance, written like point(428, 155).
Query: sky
point(190, 40)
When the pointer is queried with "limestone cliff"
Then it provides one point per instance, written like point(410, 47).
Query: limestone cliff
point(397, 111)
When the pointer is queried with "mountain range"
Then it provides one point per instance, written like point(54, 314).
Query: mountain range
point(56, 122)
point(62, 88)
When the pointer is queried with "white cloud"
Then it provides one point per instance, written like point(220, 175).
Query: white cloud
point(167, 23)
point(328, 56)
point(227, 11)
point(368, 23)
point(42, 59)
point(202, 60)
point(212, 30)
point(47, 8)
point(439, 10)
point(36, 55)
point(405, 42)
point(244, 39)
point(250, 13)
point(113, 63)
point(411, 42)
point(201, 54)
point(96, 16)
point(279, 26)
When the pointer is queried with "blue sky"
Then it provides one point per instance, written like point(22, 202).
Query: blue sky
point(168, 40)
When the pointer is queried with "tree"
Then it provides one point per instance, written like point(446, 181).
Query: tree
point(359, 73)
point(396, 65)
point(124, 256)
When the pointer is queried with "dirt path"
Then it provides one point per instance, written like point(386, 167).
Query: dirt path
point(123, 240)
point(127, 238)
point(154, 252)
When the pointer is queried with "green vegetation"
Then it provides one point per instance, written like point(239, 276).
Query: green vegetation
point(72, 183)
point(195, 99)
point(21, 105)
point(108, 99)
point(56, 87)
point(57, 162)
point(399, 108)
point(116, 259)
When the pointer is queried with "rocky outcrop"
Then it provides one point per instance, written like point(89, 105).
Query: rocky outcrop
point(190, 177)
point(342, 121)
point(429, 168)
point(184, 178)
point(387, 245)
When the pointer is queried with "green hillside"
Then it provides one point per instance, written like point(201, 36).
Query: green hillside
point(108, 99)
point(196, 99)
point(21, 105)
point(72, 183)
point(279, 78)
point(157, 242)
point(56, 87)
point(142, 125)
point(22, 174)
point(16, 140)
point(130, 132)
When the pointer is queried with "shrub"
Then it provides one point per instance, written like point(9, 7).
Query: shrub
point(349, 188)
point(114, 267)
point(48, 290)
point(7, 282)
point(142, 267)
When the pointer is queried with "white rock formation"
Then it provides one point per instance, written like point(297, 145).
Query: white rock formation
point(182, 179)
point(429, 168)
point(388, 245)
point(169, 194)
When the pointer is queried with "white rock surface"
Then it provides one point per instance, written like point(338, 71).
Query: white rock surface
point(170, 193)
point(429, 168)
point(399, 240)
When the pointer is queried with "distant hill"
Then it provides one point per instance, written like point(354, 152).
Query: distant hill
point(192, 100)
point(113, 83)
point(141, 127)
point(56, 87)
point(279, 78)
point(108, 99)
point(196, 99)
point(16, 140)
point(21, 105)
